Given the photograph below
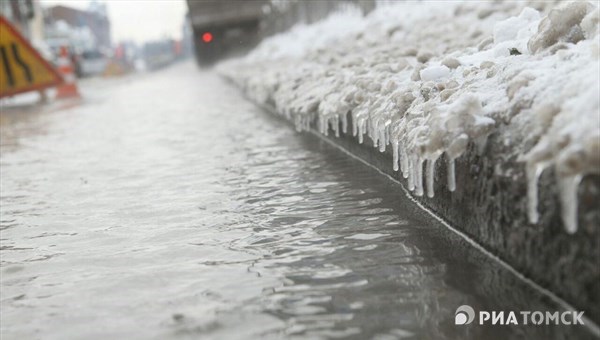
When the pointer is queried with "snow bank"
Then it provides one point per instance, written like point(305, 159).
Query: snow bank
point(428, 78)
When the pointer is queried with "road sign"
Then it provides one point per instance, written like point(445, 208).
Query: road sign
point(22, 68)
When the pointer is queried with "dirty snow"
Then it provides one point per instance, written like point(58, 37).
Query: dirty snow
point(428, 78)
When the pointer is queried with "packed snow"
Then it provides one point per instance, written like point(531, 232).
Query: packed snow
point(428, 78)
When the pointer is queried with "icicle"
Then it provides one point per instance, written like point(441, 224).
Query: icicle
point(569, 203)
point(404, 162)
point(534, 171)
point(388, 136)
point(336, 126)
point(411, 173)
point(321, 124)
point(374, 138)
point(360, 135)
point(354, 126)
point(382, 140)
point(451, 174)
point(326, 126)
point(298, 122)
point(454, 150)
point(361, 131)
point(430, 168)
point(344, 123)
point(395, 155)
point(419, 177)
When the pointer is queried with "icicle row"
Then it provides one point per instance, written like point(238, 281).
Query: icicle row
point(409, 161)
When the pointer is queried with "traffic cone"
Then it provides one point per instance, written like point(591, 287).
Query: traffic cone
point(68, 88)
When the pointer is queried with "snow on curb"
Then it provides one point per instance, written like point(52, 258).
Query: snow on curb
point(428, 78)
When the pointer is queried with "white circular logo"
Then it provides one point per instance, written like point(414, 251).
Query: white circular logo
point(464, 315)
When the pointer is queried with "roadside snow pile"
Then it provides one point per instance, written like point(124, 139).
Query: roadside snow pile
point(299, 37)
point(428, 78)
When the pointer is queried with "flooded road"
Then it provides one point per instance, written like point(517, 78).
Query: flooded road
point(165, 206)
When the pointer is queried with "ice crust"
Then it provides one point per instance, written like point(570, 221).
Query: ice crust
point(426, 79)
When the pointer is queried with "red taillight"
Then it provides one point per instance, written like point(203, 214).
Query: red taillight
point(207, 37)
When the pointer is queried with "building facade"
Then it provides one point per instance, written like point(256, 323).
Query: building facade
point(95, 19)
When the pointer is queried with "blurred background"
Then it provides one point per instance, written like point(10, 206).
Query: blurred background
point(115, 37)
point(104, 37)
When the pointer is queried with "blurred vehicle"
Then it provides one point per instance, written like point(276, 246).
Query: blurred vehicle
point(92, 62)
point(157, 54)
point(222, 26)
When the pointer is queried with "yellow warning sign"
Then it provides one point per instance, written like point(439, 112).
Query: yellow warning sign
point(22, 68)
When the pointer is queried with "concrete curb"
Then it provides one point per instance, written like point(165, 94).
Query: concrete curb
point(492, 211)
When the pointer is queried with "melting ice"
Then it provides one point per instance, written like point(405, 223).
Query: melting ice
point(426, 90)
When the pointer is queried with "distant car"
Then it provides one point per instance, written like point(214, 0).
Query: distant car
point(158, 54)
point(92, 62)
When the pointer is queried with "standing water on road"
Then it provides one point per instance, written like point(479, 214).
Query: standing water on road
point(165, 206)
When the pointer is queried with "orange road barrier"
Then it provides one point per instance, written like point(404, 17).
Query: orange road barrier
point(68, 89)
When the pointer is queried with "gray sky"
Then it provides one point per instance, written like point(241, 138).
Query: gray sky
point(138, 20)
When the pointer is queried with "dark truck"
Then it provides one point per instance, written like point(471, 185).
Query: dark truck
point(222, 27)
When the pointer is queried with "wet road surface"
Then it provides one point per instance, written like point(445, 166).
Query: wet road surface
point(165, 206)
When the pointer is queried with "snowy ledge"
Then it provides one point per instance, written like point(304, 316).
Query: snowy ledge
point(506, 89)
